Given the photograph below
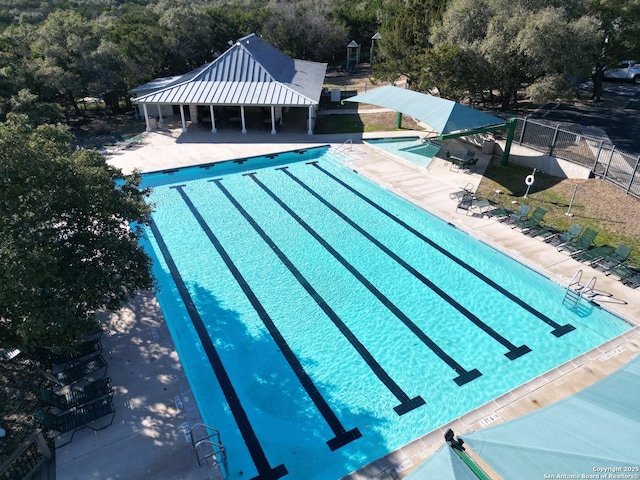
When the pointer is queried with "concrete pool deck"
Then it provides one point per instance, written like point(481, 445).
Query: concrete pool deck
point(154, 410)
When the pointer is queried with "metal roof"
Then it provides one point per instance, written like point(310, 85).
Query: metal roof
point(444, 116)
point(251, 72)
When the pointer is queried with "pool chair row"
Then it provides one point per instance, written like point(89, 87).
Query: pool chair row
point(579, 243)
point(80, 395)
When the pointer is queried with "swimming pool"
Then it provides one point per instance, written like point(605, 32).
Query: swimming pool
point(414, 149)
point(323, 322)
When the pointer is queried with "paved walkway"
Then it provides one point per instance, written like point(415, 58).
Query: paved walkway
point(154, 409)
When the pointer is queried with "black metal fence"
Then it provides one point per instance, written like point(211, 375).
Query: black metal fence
point(601, 156)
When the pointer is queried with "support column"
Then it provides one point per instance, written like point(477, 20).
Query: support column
point(309, 121)
point(146, 117)
point(160, 117)
point(273, 120)
point(184, 122)
point(244, 127)
point(213, 120)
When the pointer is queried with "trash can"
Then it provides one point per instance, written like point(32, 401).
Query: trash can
point(487, 147)
point(153, 122)
point(335, 95)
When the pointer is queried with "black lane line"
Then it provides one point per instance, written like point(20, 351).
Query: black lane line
point(343, 436)
point(513, 353)
point(463, 377)
point(265, 472)
point(558, 330)
point(406, 404)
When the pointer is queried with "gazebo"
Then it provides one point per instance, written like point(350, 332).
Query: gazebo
point(252, 79)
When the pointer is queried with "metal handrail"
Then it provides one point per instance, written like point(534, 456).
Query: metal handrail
point(349, 142)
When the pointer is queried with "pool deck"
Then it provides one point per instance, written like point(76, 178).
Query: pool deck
point(154, 409)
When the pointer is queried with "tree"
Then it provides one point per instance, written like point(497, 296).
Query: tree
point(619, 22)
point(405, 31)
point(67, 248)
point(62, 55)
point(531, 42)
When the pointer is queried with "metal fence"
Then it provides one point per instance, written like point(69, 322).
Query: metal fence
point(601, 156)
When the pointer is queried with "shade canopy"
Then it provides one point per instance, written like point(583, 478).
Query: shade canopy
point(598, 427)
point(443, 116)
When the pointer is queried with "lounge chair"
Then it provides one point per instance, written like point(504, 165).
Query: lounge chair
point(615, 258)
point(499, 213)
point(622, 271)
point(77, 396)
point(81, 351)
point(521, 214)
point(580, 244)
point(76, 418)
point(89, 371)
point(530, 222)
point(569, 235)
point(592, 255)
point(468, 188)
point(545, 232)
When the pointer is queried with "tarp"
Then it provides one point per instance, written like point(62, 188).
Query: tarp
point(596, 428)
point(443, 116)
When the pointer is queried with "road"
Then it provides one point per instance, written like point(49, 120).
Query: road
point(617, 115)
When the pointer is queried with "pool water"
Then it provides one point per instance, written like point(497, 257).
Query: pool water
point(414, 149)
point(323, 322)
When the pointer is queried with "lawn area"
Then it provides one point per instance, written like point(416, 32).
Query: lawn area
point(597, 204)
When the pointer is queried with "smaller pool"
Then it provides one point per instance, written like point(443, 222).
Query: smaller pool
point(414, 149)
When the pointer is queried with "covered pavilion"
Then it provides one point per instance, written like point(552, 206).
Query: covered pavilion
point(447, 119)
point(252, 78)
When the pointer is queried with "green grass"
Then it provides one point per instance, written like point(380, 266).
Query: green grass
point(589, 209)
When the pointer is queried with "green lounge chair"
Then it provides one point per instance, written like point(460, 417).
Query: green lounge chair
point(76, 418)
point(569, 235)
point(615, 258)
point(76, 397)
point(521, 214)
point(622, 271)
point(580, 244)
point(468, 188)
point(499, 213)
point(592, 255)
point(531, 222)
point(89, 371)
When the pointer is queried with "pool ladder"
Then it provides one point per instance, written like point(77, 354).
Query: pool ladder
point(576, 291)
point(210, 451)
point(347, 143)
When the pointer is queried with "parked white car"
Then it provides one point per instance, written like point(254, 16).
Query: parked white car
point(625, 71)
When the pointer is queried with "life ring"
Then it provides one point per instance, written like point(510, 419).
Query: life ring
point(529, 180)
